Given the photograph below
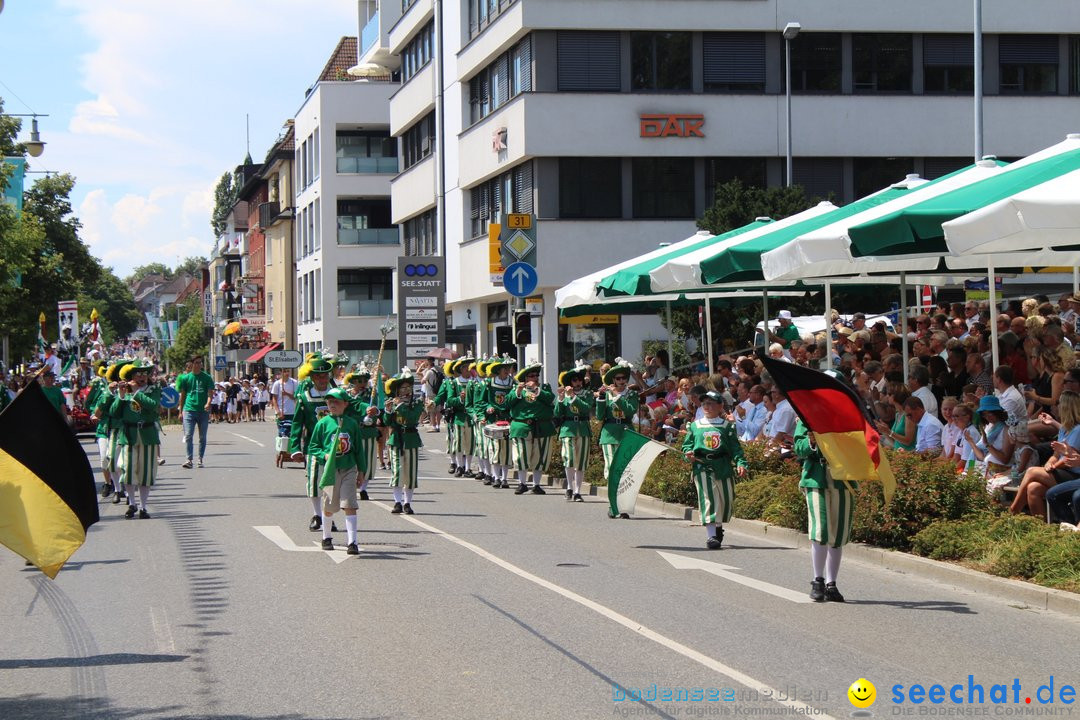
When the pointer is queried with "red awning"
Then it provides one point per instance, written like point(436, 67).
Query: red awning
point(262, 351)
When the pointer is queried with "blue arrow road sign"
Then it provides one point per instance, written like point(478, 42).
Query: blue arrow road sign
point(520, 279)
point(169, 398)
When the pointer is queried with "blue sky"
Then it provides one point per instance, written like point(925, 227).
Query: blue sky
point(146, 102)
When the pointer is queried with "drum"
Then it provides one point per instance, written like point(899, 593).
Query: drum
point(497, 431)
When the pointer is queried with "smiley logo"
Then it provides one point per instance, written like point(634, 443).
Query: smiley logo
point(862, 693)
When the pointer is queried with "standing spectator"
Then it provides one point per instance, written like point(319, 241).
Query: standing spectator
point(283, 405)
point(786, 333)
point(195, 388)
point(262, 399)
point(431, 380)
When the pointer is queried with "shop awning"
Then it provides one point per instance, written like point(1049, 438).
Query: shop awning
point(262, 351)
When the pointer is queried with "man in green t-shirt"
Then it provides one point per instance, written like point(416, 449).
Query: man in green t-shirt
point(785, 333)
point(196, 389)
point(54, 394)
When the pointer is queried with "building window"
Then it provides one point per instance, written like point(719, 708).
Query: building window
point(933, 168)
point(873, 174)
point(364, 291)
point(316, 215)
point(663, 187)
point(365, 222)
point(1074, 65)
point(315, 155)
point(420, 235)
point(816, 63)
point(418, 142)
point(948, 64)
point(366, 151)
point(1029, 64)
point(270, 307)
point(318, 294)
point(483, 12)
point(506, 78)
point(660, 61)
point(510, 192)
point(821, 178)
point(417, 54)
point(718, 171)
point(734, 62)
point(588, 61)
point(882, 62)
point(590, 187)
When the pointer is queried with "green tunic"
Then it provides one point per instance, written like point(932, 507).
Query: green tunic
point(357, 410)
point(714, 443)
point(456, 395)
point(531, 415)
point(494, 401)
point(574, 411)
point(326, 437)
point(309, 408)
point(476, 399)
point(616, 413)
point(136, 416)
point(402, 423)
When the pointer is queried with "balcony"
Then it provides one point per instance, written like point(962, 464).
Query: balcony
point(373, 308)
point(267, 212)
point(368, 165)
point(370, 34)
point(368, 236)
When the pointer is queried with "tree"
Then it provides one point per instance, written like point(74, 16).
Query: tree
point(142, 271)
point(191, 265)
point(190, 341)
point(224, 199)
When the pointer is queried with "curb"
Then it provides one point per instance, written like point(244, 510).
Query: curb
point(1006, 589)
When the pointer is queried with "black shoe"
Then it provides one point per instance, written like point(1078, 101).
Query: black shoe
point(470, 474)
point(130, 512)
point(333, 527)
point(488, 480)
point(327, 544)
point(537, 490)
point(407, 509)
point(315, 524)
point(143, 515)
point(117, 498)
point(364, 495)
point(832, 594)
point(713, 543)
point(578, 498)
point(817, 590)
point(569, 495)
point(106, 490)
point(453, 469)
point(460, 472)
point(352, 549)
point(397, 509)
point(521, 490)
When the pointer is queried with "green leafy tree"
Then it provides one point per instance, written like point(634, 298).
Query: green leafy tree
point(224, 199)
point(191, 265)
point(154, 268)
point(190, 341)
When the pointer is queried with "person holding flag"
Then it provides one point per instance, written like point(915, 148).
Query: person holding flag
point(402, 415)
point(712, 446)
point(839, 447)
point(334, 443)
point(573, 406)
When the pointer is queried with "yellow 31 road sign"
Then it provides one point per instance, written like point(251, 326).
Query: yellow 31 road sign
point(519, 221)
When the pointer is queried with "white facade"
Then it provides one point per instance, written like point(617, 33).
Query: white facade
point(857, 124)
point(346, 247)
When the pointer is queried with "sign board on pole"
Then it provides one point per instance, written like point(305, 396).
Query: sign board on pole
point(170, 398)
point(495, 266)
point(520, 279)
point(208, 308)
point(535, 305)
point(219, 362)
point(518, 240)
point(279, 359)
point(421, 294)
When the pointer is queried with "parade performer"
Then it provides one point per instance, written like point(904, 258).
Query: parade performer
point(496, 411)
point(616, 406)
point(115, 457)
point(712, 446)
point(461, 439)
point(366, 416)
point(97, 402)
point(441, 399)
point(135, 408)
point(402, 415)
point(478, 391)
point(310, 408)
point(532, 413)
point(830, 507)
point(334, 443)
point(573, 407)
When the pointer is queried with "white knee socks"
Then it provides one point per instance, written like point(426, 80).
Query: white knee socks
point(327, 525)
point(350, 528)
point(408, 496)
point(818, 553)
point(316, 505)
point(536, 478)
point(832, 564)
point(398, 495)
point(131, 493)
point(710, 528)
point(144, 493)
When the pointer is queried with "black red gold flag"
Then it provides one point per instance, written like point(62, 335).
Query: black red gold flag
point(47, 493)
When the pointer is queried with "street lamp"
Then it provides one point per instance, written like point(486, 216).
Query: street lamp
point(34, 146)
point(791, 31)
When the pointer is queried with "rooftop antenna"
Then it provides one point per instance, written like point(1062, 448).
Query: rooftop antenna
point(247, 132)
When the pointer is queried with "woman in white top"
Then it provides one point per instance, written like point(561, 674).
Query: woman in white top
point(963, 416)
point(950, 434)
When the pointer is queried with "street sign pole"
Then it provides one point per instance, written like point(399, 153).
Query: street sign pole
point(519, 305)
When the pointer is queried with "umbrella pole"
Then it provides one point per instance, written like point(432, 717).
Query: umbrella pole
point(828, 325)
point(902, 321)
point(1076, 279)
point(708, 334)
point(993, 307)
point(765, 318)
point(670, 351)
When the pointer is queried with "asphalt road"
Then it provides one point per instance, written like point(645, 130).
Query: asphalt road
point(482, 605)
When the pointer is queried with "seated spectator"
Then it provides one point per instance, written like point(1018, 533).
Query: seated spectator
point(968, 437)
point(1046, 389)
point(994, 450)
point(918, 384)
point(1031, 495)
point(950, 433)
point(779, 430)
point(1064, 498)
point(927, 427)
point(901, 434)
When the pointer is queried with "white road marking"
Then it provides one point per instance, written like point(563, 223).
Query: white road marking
point(632, 625)
point(245, 437)
point(276, 535)
point(682, 562)
point(159, 621)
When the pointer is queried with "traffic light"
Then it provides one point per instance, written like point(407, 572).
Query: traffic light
point(522, 328)
point(504, 340)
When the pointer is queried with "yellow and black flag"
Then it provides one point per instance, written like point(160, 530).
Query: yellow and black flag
point(47, 493)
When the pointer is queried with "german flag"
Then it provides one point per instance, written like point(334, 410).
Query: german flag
point(837, 417)
point(47, 493)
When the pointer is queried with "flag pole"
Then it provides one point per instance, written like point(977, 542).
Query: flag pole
point(386, 328)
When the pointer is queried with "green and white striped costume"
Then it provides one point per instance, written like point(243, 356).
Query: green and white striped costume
point(137, 438)
point(139, 464)
point(616, 412)
point(404, 467)
point(715, 445)
point(498, 451)
point(404, 443)
point(368, 435)
point(830, 503)
point(575, 434)
point(461, 439)
point(531, 426)
point(532, 453)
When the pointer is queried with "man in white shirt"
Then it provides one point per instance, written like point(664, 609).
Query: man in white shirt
point(781, 425)
point(928, 427)
point(750, 414)
point(51, 359)
point(283, 395)
point(1013, 402)
point(918, 385)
